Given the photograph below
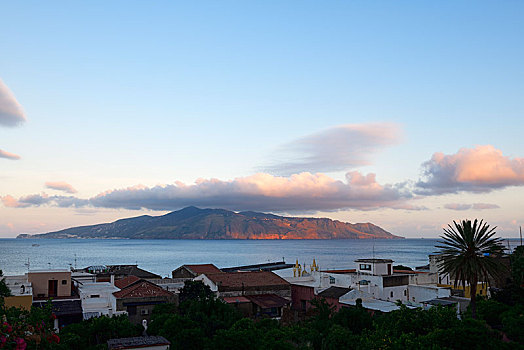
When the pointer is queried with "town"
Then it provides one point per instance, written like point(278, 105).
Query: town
point(377, 286)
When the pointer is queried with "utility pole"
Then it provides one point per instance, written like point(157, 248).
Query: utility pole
point(520, 228)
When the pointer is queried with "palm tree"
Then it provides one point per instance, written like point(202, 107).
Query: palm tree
point(468, 254)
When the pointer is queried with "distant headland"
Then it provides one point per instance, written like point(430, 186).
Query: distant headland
point(196, 223)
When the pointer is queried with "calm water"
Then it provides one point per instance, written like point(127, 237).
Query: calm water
point(163, 256)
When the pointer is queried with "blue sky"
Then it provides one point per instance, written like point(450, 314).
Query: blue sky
point(128, 93)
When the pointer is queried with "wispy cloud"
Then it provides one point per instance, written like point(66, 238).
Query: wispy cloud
point(479, 169)
point(338, 148)
point(61, 186)
point(262, 192)
point(475, 206)
point(8, 155)
point(11, 112)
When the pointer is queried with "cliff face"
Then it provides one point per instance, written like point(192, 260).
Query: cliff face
point(195, 223)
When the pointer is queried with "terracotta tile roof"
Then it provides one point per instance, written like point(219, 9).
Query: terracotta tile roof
point(234, 300)
point(266, 301)
point(203, 269)
point(142, 289)
point(247, 279)
point(127, 281)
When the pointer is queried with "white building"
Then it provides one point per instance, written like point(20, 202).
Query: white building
point(376, 280)
point(98, 299)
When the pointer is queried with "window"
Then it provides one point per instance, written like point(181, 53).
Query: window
point(391, 294)
point(64, 281)
point(413, 298)
point(332, 280)
point(405, 292)
point(144, 312)
point(365, 267)
point(95, 295)
point(303, 305)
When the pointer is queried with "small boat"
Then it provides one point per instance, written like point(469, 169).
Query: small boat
point(35, 245)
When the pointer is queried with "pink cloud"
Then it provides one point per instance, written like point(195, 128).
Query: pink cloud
point(11, 112)
point(11, 202)
point(263, 192)
point(479, 169)
point(8, 155)
point(60, 186)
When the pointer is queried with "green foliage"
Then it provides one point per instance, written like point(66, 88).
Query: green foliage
point(4, 289)
point(517, 266)
point(355, 319)
point(95, 332)
point(491, 311)
point(513, 323)
point(32, 329)
point(195, 290)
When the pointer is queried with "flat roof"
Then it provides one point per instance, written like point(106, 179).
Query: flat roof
point(375, 260)
point(134, 342)
point(49, 271)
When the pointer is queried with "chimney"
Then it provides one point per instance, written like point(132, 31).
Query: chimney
point(113, 279)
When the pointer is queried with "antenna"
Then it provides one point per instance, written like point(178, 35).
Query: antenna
point(520, 228)
point(373, 247)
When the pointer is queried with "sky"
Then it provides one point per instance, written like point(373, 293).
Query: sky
point(406, 114)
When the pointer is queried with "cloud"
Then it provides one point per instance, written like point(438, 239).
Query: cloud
point(335, 149)
point(35, 200)
point(60, 186)
point(479, 169)
point(8, 155)
point(475, 206)
point(11, 112)
point(262, 192)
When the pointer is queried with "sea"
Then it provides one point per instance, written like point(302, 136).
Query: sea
point(17, 256)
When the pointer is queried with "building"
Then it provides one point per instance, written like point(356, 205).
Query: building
point(332, 296)
point(65, 311)
point(97, 299)
point(139, 343)
point(246, 283)
point(301, 296)
point(104, 272)
point(254, 294)
point(50, 284)
point(192, 271)
point(21, 292)
point(138, 298)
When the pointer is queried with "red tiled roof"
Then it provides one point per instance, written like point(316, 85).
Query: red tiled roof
point(142, 289)
point(267, 301)
point(125, 282)
point(203, 269)
point(247, 279)
point(234, 300)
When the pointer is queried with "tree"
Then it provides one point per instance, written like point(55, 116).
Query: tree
point(4, 289)
point(468, 252)
point(195, 290)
